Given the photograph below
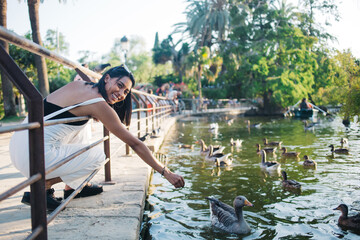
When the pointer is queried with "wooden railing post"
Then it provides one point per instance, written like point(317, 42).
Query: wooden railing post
point(36, 140)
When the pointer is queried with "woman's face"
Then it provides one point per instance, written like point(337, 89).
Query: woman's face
point(117, 88)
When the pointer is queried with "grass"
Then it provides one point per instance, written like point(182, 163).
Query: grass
point(11, 119)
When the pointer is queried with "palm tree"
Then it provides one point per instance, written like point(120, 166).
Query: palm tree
point(207, 23)
point(39, 61)
point(7, 86)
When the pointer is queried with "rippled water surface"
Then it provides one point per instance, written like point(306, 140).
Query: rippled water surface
point(277, 214)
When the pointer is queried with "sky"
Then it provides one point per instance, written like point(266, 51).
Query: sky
point(94, 25)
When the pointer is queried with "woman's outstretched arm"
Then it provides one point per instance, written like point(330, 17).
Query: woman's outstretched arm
point(103, 112)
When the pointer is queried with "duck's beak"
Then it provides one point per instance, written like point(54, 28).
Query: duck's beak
point(337, 208)
point(247, 203)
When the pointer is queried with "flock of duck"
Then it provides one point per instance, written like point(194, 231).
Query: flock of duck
point(231, 219)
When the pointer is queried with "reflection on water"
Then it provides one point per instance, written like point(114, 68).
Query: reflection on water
point(277, 213)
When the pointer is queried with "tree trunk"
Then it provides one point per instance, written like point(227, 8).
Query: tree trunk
point(6, 85)
point(199, 84)
point(39, 61)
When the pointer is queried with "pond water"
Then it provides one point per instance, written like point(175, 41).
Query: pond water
point(277, 213)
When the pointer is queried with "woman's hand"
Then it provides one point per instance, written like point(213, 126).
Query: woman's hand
point(176, 180)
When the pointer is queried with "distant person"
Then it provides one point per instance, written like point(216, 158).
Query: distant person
point(304, 105)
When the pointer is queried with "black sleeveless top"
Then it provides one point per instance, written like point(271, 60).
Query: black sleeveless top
point(50, 108)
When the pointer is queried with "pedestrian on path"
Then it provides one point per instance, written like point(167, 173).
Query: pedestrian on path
point(109, 101)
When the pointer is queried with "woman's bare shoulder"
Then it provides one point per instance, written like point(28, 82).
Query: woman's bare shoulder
point(72, 93)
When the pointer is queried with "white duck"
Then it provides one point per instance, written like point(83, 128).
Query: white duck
point(212, 156)
point(204, 150)
point(224, 162)
point(214, 126)
point(268, 166)
point(227, 218)
point(236, 143)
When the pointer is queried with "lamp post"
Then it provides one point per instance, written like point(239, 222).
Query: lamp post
point(124, 46)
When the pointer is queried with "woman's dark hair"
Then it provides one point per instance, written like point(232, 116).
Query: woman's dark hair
point(123, 108)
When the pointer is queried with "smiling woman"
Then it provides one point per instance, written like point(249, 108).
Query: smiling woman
point(109, 101)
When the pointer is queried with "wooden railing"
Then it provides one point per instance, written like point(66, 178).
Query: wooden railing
point(149, 108)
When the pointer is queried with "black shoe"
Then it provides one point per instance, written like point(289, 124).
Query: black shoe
point(87, 191)
point(51, 201)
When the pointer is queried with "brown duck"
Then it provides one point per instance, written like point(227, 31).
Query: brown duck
point(344, 220)
point(308, 162)
point(204, 150)
point(275, 144)
point(267, 149)
point(285, 153)
point(291, 184)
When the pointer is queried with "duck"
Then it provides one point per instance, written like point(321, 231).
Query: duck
point(214, 126)
point(285, 153)
point(267, 149)
point(338, 150)
point(254, 125)
point(224, 162)
point(344, 220)
point(204, 150)
point(266, 143)
point(155, 133)
point(236, 143)
point(188, 146)
point(343, 141)
point(212, 156)
point(227, 218)
point(291, 184)
point(308, 162)
point(269, 166)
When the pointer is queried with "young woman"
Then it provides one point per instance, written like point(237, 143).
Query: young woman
point(108, 101)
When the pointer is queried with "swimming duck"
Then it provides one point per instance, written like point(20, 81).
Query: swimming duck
point(204, 150)
point(285, 153)
point(236, 143)
point(269, 166)
point(291, 184)
point(254, 125)
point(223, 162)
point(266, 143)
point(227, 218)
point(308, 162)
point(212, 156)
point(267, 149)
point(214, 126)
point(338, 150)
point(345, 221)
point(188, 146)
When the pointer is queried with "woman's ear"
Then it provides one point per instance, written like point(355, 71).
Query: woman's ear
point(107, 78)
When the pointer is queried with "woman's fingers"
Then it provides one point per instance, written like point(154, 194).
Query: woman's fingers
point(178, 181)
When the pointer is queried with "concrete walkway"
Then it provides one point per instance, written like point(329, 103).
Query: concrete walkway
point(114, 214)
